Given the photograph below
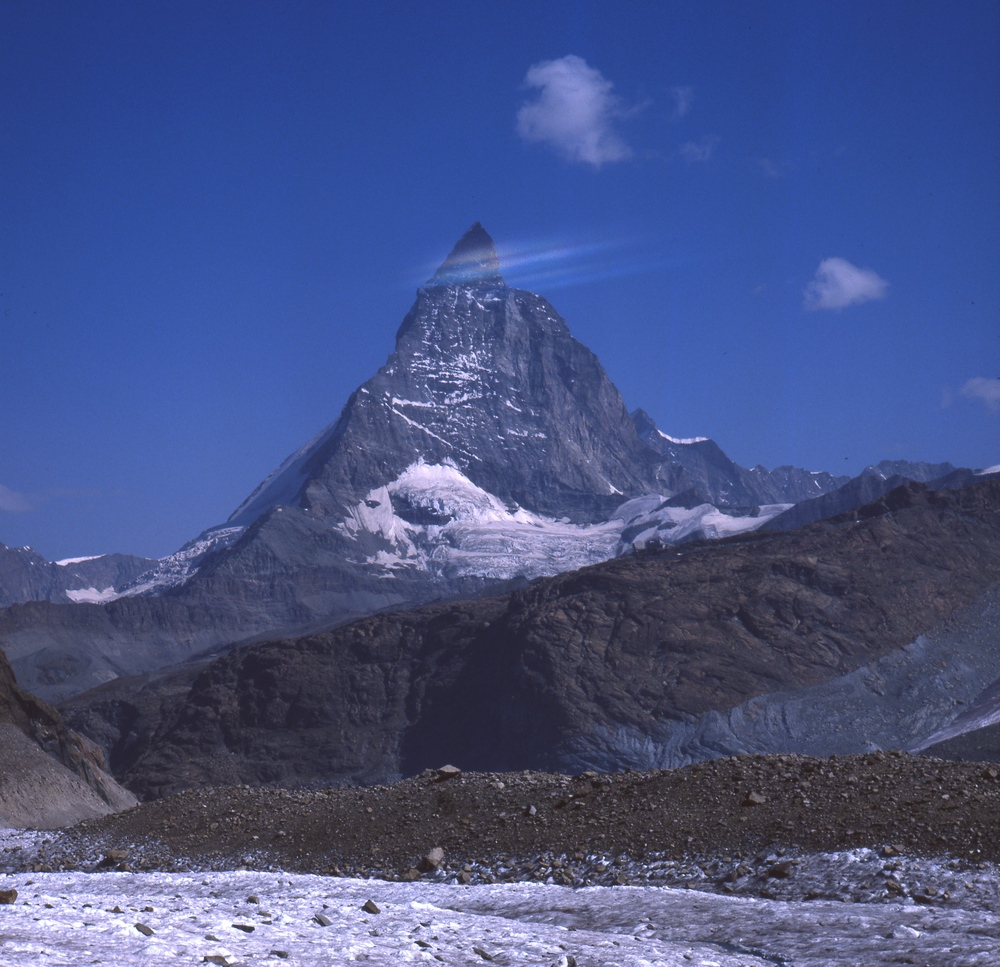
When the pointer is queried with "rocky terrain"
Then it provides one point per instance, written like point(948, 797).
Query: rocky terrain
point(878, 859)
point(49, 775)
point(875, 627)
point(738, 825)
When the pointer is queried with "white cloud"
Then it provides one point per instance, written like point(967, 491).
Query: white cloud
point(574, 112)
point(13, 502)
point(683, 99)
point(769, 168)
point(694, 151)
point(837, 284)
point(983, 389)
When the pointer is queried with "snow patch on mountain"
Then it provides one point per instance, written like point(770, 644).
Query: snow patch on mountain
point(673, 439)
point(175, 569)
point(92, 595)
point(433, 518)
point(443, 487)
point(676, 525)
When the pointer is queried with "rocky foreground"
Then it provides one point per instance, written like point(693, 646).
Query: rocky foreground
point(740, 825)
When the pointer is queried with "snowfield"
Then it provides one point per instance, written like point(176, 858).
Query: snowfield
point(477, 535)
point(119, 919)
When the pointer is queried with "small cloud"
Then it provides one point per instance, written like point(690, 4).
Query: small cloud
point(683, 99)
point(837, 284)
point(769, 168)
point(14, 503)
point(695, 151)
point(984, 390)
point(574, 112)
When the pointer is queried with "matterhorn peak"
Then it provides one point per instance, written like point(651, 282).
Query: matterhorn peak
point(473, 259)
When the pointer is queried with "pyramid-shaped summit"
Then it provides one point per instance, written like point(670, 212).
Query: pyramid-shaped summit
point(473, 259)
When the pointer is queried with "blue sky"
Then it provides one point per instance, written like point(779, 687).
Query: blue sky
point(777, 224)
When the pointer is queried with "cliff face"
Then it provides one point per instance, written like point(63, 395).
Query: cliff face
point(49, 775)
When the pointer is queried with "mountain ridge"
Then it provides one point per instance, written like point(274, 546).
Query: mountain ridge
point(804, 641)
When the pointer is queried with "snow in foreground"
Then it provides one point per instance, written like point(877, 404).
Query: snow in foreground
point(117, 919)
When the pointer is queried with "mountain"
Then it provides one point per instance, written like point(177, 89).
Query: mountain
point(700, 473)
point(490, 449)
point(873, 482)
point(863, 631)
point(486, 379)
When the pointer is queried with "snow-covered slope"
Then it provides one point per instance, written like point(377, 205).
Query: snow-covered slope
point(437, 520)
point(119, 919)
point(175, 569)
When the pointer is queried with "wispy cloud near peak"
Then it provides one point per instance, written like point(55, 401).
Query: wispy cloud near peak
point(695, 151)
point(984, 390)
point(14, 503)
point(574, 112)
point(683, 99)
point(838, 284)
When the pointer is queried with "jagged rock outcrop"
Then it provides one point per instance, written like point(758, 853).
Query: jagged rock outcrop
point(697, 471)
point(872, 483)
point(650, 660)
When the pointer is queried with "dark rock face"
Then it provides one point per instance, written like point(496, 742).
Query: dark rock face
point(869, 485)
point(26, 576)
point(920, 471)
point(854, 493)
point(601, 668)
point(795, 484)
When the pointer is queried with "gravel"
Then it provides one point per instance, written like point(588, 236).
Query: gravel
point(891, 826)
